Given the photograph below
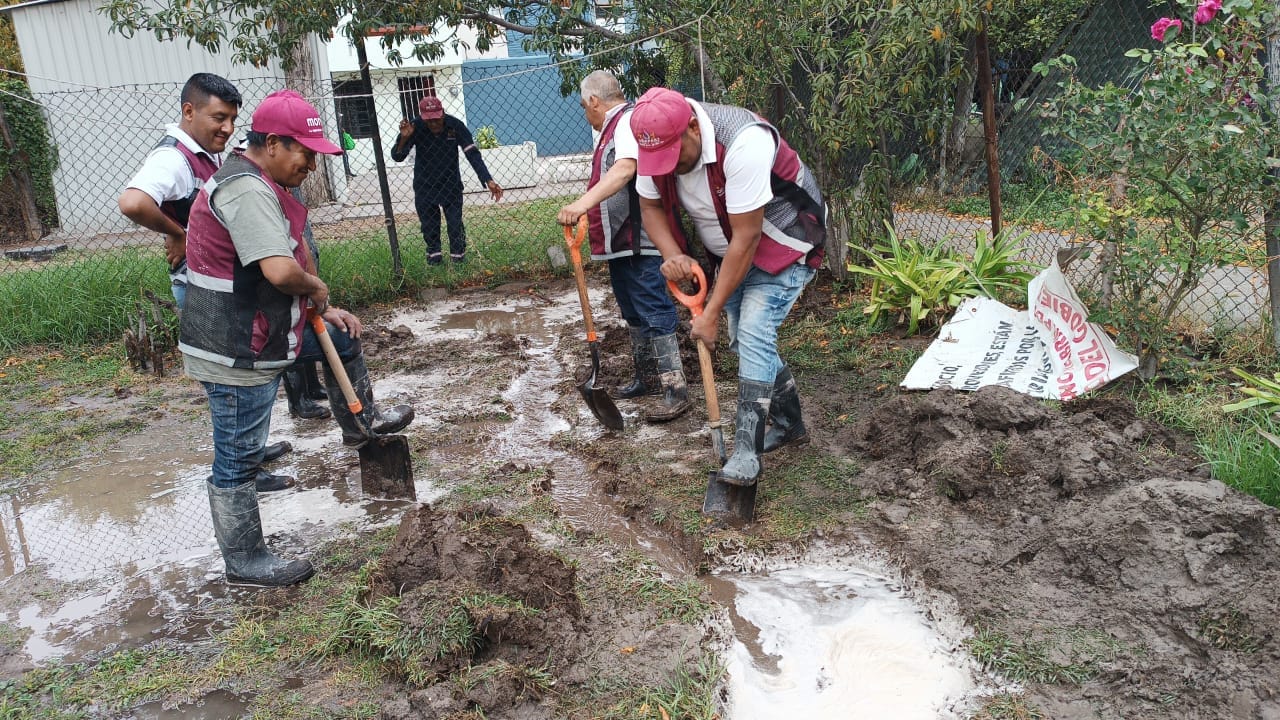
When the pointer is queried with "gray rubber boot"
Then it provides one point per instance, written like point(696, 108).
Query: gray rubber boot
point(675, 392)
point(238, 527)
point(786, 426)
point(300, 404)
point(646, 380)
point(355, 429)
point(746, 463)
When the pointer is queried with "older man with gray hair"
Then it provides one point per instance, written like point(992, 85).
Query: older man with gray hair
point(613, 211)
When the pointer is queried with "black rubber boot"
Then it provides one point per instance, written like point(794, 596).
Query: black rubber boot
point(301, 406)
point(746, 464)
point(675, 393)
point(311, 381)
point(786, 427)
point(275, 451)
point(238, 527)
point(355, 430)
point(646, 380)
point(268, 482)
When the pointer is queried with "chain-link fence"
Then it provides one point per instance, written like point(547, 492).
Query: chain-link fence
point(537, 147)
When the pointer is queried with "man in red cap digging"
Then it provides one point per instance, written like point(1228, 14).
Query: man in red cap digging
point(759, 213)
point(250, 278)
point(437, 182)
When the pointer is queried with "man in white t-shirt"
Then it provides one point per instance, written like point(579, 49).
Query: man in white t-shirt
point(613, 211)
point(160, 194)
point(758, 211)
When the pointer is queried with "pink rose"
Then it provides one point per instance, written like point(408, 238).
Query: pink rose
point(1206, 11)
point(1162, 26)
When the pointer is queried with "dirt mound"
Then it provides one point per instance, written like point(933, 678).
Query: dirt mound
point(1100, 564)
point(482, 604)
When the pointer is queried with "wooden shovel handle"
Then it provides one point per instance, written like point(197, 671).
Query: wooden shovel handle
point(574, 240)
point(709, 385)
point(335, 362)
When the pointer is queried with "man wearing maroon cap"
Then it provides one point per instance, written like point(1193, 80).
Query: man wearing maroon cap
point(250, 278)
point(759, 213)
point(437, 182)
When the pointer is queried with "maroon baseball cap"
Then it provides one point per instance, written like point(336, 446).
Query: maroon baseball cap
point(430, 108)
point(288, 114)
point(658, 122)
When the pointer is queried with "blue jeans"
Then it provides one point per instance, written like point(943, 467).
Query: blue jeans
point(755, 310)
point(178, 284)
point(642, 295)
point(242, 414)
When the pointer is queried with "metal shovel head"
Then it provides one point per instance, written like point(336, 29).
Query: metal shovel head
point(734, 504)
point(602, 406)
point(386, 470)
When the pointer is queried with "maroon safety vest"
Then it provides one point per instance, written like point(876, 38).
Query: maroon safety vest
point(612, 224)
point(202, 167)
point(794, 188)
point(233, 315)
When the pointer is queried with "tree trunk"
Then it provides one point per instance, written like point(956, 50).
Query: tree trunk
point(300, 75)
point(953, 144)
point(32, 228)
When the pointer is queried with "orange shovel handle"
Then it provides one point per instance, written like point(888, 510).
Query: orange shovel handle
point(693, 302)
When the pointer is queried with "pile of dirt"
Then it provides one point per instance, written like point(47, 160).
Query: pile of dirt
point(476, 593)
point(1092, 553)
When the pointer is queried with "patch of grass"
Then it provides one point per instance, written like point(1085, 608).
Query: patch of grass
point(689, 694)
point(1009, 707)
point(807, 492)
point(636, 579)
point(1228, 629)
point(533, 682)
point(1059, 655)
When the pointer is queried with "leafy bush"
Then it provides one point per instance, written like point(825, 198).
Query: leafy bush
point(921, 284)
point(32, 147)
point(486, 137)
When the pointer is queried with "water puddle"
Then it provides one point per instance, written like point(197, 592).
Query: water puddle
point(216, 705)
point(839, 643)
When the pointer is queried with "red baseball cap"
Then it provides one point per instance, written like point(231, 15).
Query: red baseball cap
point(430, 108)
point(658, 122)
point(288, 114)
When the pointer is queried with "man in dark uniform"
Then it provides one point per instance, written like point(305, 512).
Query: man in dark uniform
point(437, 182)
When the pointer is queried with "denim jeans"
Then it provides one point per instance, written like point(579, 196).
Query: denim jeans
point(242, 414)
point(178, 284)
point(754, 312)
point(642, 295)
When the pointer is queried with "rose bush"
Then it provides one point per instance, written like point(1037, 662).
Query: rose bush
point(1177, 163)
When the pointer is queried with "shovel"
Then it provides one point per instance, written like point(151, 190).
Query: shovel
point(597, 399)
point(385, 467)
point(722, 499)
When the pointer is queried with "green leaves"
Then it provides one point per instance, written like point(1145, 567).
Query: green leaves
point(1261, 392)
point(923, 284)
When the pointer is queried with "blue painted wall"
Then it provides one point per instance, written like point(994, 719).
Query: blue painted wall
point(525, 106)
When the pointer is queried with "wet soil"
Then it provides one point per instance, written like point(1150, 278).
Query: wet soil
point(1077, 546)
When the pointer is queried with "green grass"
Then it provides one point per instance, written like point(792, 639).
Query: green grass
point(636, 580)
point(84, 297)
point(689, 694)
point(807, 492)
point(1057, 655)
point(1009, 707)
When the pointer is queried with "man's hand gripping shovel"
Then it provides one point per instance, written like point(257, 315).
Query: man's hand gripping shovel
point(722, 499)
point(386, 470)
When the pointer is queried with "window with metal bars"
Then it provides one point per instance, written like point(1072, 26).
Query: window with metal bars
point(412, 90)
point(353, 100)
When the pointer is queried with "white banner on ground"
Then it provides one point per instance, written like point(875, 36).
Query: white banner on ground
point(1050, 352)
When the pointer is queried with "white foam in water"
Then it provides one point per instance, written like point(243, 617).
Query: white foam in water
point(846, 645)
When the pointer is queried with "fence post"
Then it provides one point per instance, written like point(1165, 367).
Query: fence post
point(31, 225)
point(989, 126)
point(397, 267)
point(1271, 218)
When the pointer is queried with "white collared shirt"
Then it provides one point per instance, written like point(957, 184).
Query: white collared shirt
point(748, 163)
point(165, 174)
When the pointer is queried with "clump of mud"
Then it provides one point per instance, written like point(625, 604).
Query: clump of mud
point(1100, 562)
point(482, 604)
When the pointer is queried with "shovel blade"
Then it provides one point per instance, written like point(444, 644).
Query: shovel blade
point(386, 470)
point(602, 406)
point(734, 504)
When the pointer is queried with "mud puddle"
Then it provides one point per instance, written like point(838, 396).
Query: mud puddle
point(827, 642)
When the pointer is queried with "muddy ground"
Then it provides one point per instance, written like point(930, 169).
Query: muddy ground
point(1089, 552)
